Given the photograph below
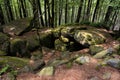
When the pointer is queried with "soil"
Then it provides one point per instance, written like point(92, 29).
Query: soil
point(76, 72)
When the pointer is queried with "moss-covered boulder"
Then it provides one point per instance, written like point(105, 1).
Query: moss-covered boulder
point(57, 32)
point(36, 55)
point(47, 38)
point(89, 37)
point(18, 47)
point(32, 42)
point(59, 45)
point(14, 62)
point(17, 27)
point(4, 44)
point(95, 49)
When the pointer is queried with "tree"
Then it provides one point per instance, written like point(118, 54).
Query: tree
point(96, 9)
point(1, 16)
point(79, 11)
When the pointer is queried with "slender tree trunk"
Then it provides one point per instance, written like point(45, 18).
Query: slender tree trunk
point(8, 10)
point(20, 9)
point(49, 15)
point(60, 11)
point(79, 11)
point(45, 8)
point(23, 6)
point(1, 17)
point(41, 17)
point(108, 13)
point(87, 17)
point(73, 13)
point(66, 11)
point(52, 20)
point(95, 11)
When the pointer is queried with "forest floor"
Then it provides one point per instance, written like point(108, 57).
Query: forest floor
point(88, 71)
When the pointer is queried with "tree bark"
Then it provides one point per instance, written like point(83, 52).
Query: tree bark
point(60, 11)
point(79, 11)
point(52, 20)
point(95, 11)
point(40, 10)
point(108, 13)
point(1, 16)
point(45, 8)
point(66, 11)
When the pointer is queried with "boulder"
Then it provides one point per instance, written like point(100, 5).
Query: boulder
point(4, 44)
point(47, 71)
point(17, 27)
point(90, 37)
point(95, 49)
point(18, 47)
point(82, 60)
point(107, 51)
point(13, 62)
point(59, 45)
point(114, 63)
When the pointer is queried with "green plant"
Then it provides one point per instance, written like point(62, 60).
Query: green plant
point(4, 69)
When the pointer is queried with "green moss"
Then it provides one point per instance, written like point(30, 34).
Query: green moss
point(18, 46)
point(59, 45)
point(36, 55)
point(4, 43)
point(13, 61)
point(47, 39)
point(2, 53)
point(95, 49)
point(32, 42)
point(89, 36)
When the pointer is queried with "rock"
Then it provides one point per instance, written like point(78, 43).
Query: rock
point(105, 52)
point(89, 37)
point(107, 76)
point(56, 63)
point(4, 44)
point(35, 41)
point(82, 60)
point(17, 27)
point(18, 47)
point(95, 78)
point(114, 63)
point(57, 32)
point(47, 71)
point(9, 76)
point(36, 55)
point(13, 61)
point(32, 66)
point(32, 42)
point(95, 49)
point(59, 45)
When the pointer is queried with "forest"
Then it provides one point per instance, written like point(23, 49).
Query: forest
point(59, 39)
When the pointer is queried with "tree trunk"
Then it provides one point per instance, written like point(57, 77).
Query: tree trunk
point(73, 13)
point(79, 11)
point(23, 6)
point(87, 17)
point(108, 13)
point(40, 11)
point(49, 15)
point(8, 10)
point(1, 17)
point(95, 11)
point(45, 8)
point(66, 11)
point(52, 20)
point(60, 11)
